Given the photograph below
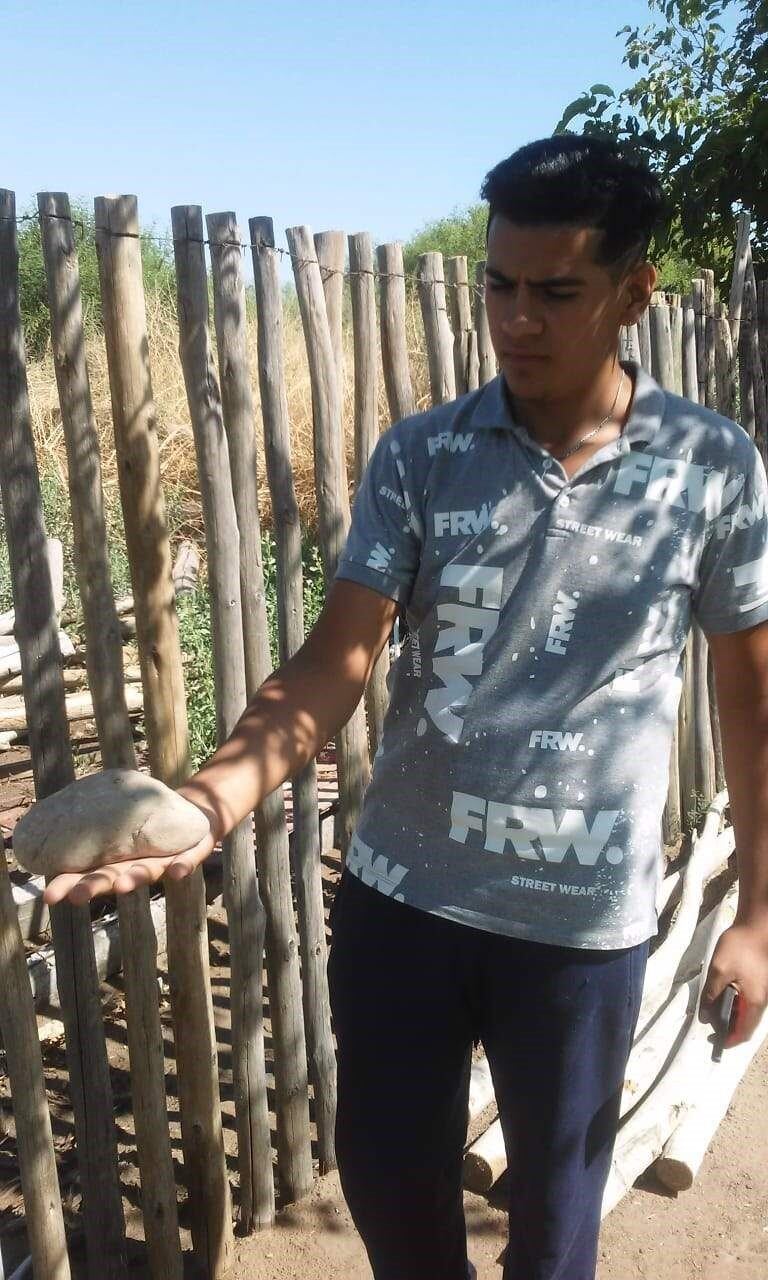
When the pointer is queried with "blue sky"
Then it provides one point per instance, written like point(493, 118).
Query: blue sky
point(374, 116)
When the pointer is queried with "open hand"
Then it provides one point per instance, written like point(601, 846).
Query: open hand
point(123, 877)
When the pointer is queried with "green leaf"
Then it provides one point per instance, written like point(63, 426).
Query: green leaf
point(604, 89)
point(578, 107)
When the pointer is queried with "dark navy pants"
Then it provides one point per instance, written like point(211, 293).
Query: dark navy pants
point(410, 992)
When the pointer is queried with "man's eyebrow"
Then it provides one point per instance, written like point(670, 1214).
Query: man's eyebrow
point(548, 283)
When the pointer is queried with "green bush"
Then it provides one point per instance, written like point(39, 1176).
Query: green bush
point(462, 232)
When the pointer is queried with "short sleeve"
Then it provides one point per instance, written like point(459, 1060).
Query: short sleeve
point(383, 547)
point(732, 593)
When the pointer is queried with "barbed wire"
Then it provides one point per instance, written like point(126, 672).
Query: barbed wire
point(169, 242)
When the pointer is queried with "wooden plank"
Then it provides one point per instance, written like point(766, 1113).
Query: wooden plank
point(290, 620)
point(437, 331)
point(165, 714)
point(245, 913)
point(394, 345)
point(44, 1220)
point(332, 497)
point(367, 434)
point(37, 636)
point(294, 1156)
point(485, 353)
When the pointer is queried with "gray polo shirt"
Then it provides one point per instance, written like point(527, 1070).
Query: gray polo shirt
point(523, 769)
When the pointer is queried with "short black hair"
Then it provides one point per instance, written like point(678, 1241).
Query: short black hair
point(585, 181)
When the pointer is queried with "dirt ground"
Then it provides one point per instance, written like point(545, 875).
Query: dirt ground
point(716, 1231)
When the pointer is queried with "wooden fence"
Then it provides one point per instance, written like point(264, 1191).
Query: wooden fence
point(713, 353)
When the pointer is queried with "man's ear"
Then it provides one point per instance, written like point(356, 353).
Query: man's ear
point(637, 289)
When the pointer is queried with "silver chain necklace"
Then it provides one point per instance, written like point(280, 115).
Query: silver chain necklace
point(574, 447)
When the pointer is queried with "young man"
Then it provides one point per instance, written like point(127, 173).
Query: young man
point(550, 536)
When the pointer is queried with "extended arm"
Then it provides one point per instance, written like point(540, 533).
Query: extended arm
point(285, 725)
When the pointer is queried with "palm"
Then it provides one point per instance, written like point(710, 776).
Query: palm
point(124, 877)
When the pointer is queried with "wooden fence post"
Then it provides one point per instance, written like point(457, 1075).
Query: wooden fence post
point(752, 390)
point(294, 1155)
point(34, 1139)
point(710, 341)
point(165, 715)
point(726, 374)
point(689, 363)
point(367, 433)
point(37, 634)
point(662, 359)
point(361, 279)
point(762, 324)
point(329, 248)
point(485, 353)
point(644, 339)
point(332, 498)
point(676, 330)
point(466, 364)
point(741, 258)
point(104, 663)
point(704, 750)
point(245, 912)
point(290, 621)
point(394, 346)
point(700, 321)
point(662, 368)
point(437, 331)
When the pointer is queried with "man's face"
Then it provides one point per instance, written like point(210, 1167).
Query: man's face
point(554, 312)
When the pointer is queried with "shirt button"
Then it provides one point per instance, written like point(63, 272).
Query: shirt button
point(563, 499)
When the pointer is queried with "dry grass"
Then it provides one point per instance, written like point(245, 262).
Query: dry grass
point(177, 453)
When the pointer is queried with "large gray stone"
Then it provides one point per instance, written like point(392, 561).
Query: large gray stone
point(112, 816)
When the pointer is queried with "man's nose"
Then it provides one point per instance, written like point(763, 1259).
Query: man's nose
point(522, 316)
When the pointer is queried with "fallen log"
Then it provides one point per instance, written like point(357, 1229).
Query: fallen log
point(55, 554)
point(654, 1052)
point(486, 1159)
point(73, 677)
point(481, 1093)
point(79, 706)
point(642, 1137)
point(10, 656)
point(690, 1140)
point(709, 853)
point(669, 889)
point(186, 568)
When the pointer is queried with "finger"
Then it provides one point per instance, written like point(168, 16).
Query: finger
point(58, 888)
point(100, 881)
point(183, 864)
point(748, 1015)
point(713, 988)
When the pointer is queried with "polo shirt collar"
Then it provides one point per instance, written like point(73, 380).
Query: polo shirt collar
point(493, 410)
